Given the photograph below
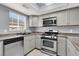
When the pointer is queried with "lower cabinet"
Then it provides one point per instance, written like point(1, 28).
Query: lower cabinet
point(68, 45)
point(71, 49)
point(77, 52)
point(29, 43)
point(1, 48)
point(62, 46)
point(38, 41)
point(32, 42)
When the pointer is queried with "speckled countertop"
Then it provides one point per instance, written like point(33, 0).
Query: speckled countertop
point(69, 33)
point(13, 35)
point(9, 36)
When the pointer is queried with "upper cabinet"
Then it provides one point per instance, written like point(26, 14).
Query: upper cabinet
point(62, 18)
point(66, 17)
point(34, 21)
point(40, 21)
point(74, 16)
point(49, 15)
point(72, 46)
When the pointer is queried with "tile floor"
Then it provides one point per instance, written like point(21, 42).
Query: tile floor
point(37, 53)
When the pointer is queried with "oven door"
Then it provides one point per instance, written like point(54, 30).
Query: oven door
point(49, 44)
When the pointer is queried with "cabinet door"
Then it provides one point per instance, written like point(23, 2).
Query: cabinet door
point(62, 18)
point(74, 16)
point(1, 48)
point(40, 21)
point(32, 42)
point(77, 52)
point(26, 45)
point(29, 44)
point(62, 46)
point(30, 21)
point(72, 46)
point(46, 16)
point(38, 41)
point(34, 21)
point(71, 51)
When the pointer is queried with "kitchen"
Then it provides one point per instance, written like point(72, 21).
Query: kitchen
point(39, 29)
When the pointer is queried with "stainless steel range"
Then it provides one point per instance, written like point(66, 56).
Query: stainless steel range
point(49, 42)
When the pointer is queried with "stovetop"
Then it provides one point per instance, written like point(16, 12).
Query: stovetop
point(50, 35)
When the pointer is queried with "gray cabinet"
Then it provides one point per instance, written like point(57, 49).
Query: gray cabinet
point(68, 45)
point(77, 52)
point(49, 15)
point(1, 48)
point(26, 45)
point(34, 21)
point(65, 17)
point(68, 17)
point(62, 45)
point(32, 42)
point(70, 49)
point(74, 16)
point(72, 46)
point(40, 21)
point(62, 18)
point(38, 41)
point(46, 16)
point(29, 43)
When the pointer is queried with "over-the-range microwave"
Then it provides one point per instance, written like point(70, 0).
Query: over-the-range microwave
point(51, 21)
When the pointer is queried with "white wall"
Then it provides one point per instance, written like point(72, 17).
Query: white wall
point(4, 19)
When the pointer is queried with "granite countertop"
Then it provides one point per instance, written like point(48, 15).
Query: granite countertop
point(73, 33)
point(13, 35)
point(9, 36)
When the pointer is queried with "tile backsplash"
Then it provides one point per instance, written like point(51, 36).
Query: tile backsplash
point(74, 29)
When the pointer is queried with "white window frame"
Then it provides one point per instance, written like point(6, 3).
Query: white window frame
point(18, 29)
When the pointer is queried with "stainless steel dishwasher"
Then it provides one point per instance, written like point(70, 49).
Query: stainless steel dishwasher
point(13, 47)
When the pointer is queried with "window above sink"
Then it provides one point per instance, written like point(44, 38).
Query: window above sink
point(17, 21)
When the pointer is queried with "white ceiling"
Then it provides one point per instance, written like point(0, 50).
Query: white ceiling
point(37, 8)
point(19, 7)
